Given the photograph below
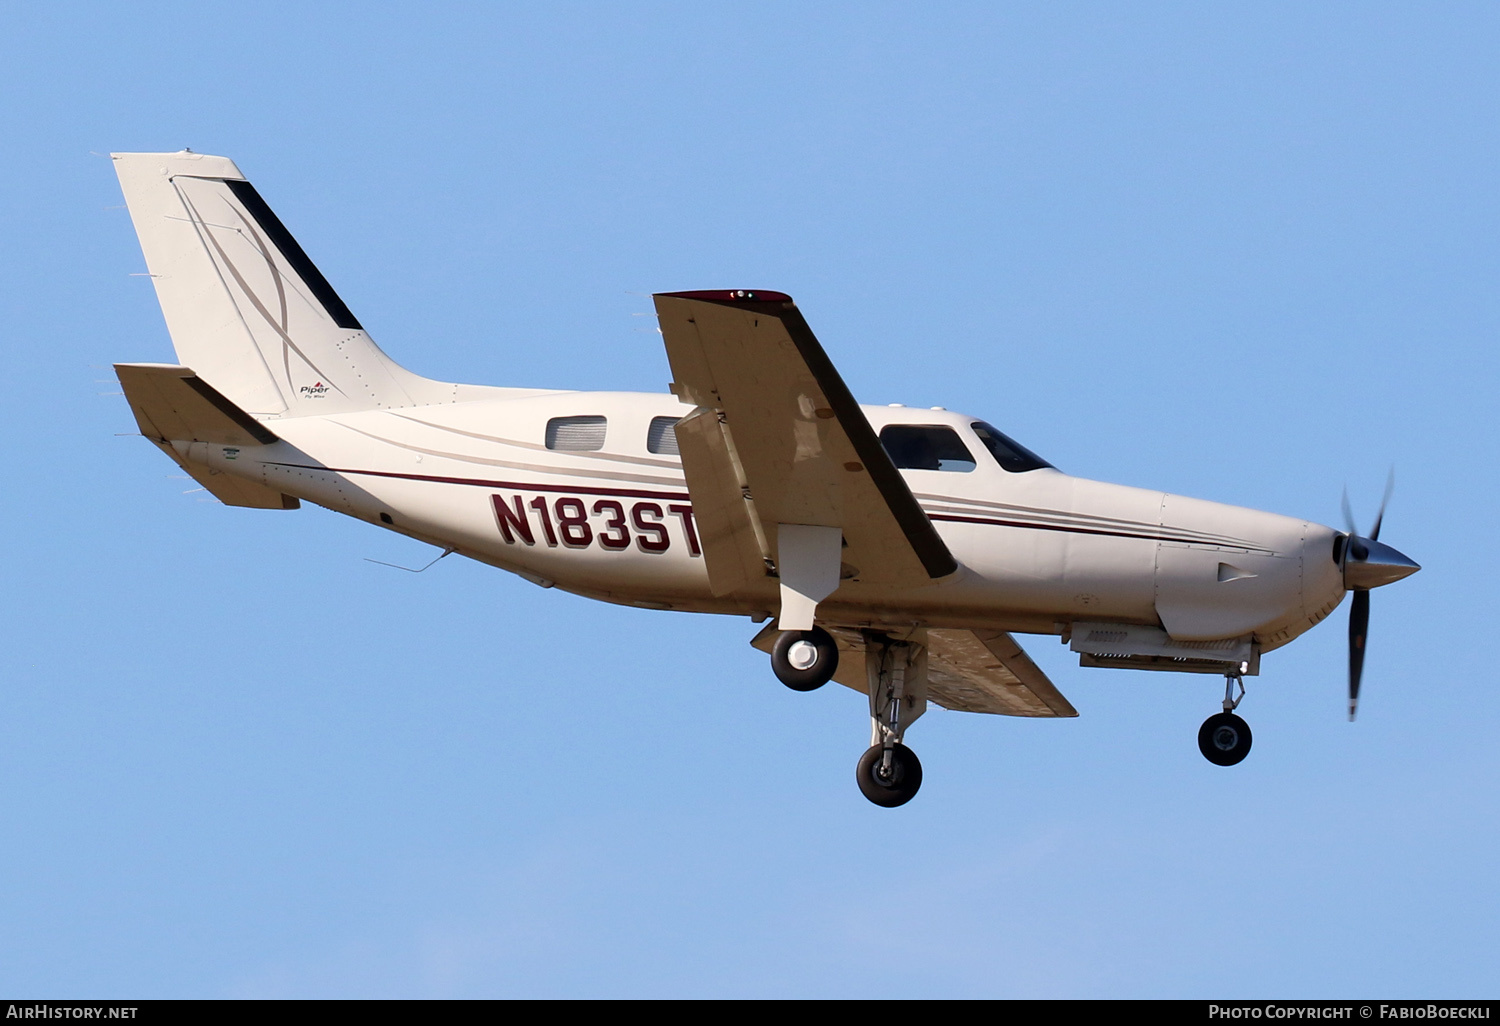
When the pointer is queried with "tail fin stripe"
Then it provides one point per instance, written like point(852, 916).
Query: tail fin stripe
point(294, 254)
point(260, 308)
point(276, 277)
point(286, 355)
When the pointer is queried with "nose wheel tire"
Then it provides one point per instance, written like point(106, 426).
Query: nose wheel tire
point(1224, 739)
point(805, 660)
point(893, 787)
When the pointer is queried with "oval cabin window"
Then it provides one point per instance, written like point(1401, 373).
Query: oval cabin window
point(575, 434)
point(660, 438)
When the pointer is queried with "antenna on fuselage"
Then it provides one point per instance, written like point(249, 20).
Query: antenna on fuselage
point(410, 570)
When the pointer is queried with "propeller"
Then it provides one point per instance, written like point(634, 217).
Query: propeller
point(1359, 629)
point(1367, 564)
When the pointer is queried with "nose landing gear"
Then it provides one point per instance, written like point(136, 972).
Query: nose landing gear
point(1224, 739)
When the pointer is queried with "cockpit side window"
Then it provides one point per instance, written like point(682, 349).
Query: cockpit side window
point(1011, 455)
point(926, 447)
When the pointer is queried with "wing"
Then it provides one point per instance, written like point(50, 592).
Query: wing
point(987, 672)
point(967, 671)
point(778, 439)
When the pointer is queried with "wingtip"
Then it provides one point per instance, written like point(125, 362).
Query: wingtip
point(730, 296)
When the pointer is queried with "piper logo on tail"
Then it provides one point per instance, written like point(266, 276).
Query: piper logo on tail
point(317, 390)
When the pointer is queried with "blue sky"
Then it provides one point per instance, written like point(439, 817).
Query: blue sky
point(1245, 252)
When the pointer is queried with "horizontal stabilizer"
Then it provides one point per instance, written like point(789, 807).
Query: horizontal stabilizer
point(176, 409)
point(173, 404)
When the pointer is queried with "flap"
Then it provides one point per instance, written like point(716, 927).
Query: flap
point(796, 447)
point(988, 672)
point(735, 551)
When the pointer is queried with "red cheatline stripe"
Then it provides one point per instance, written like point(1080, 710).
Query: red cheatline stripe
point(482, 483)
point(1049, 527)
point(641, 494)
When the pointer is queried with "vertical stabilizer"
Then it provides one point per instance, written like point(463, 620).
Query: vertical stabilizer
point(245, 306)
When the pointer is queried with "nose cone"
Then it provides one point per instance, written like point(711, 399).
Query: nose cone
point(1369, 564)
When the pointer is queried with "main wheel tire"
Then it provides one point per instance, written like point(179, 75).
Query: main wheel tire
point(1224, 739)
point(805, 660)
point(901, 787)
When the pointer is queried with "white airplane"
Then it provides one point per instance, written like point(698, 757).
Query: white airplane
point(894, 550)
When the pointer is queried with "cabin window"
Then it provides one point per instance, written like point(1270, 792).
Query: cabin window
point(660, 438)
point(575, 434)
point(1011, 455)
point(926, 447)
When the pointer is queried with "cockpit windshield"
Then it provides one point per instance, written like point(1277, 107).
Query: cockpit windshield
point(1011, 455)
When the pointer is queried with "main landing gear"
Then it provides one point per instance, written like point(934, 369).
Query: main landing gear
point(805, 660)
point(889, 773)
point(1224, 739)
point(889, 776)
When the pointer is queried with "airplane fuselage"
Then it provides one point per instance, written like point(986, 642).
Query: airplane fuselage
point(1037, 550)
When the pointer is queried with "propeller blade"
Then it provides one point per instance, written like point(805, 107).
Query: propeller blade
point(1348, 513)
point(1359, 629)
point(1390, 486)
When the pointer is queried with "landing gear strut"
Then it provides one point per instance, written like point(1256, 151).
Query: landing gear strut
point(1224, 739)
point(889, 773)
